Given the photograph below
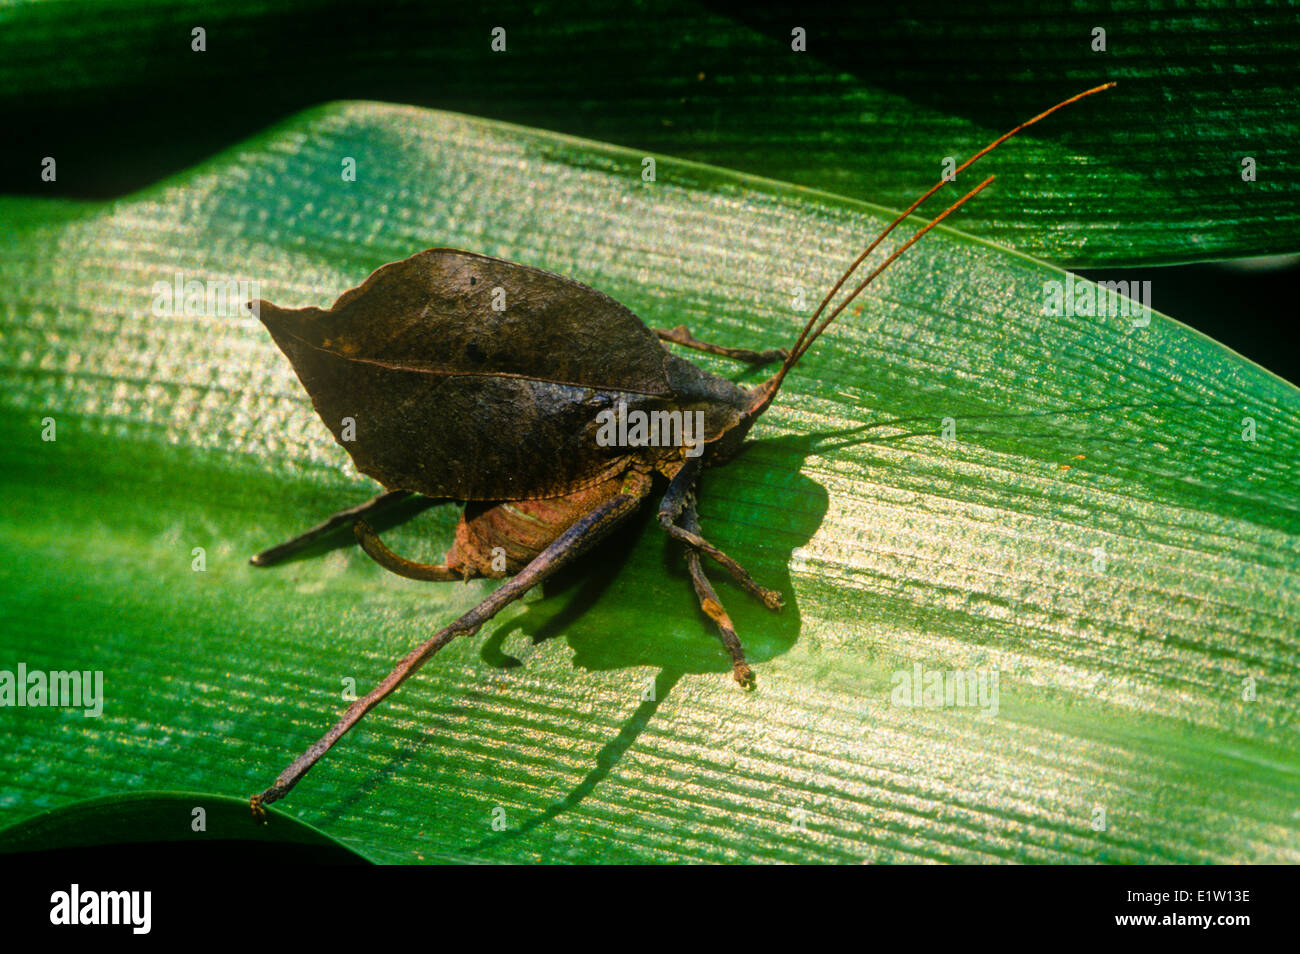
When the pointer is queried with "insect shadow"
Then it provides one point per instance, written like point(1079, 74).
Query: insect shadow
point(682, 639)
point(680, 643)
point(765, 476)
point(763, 486)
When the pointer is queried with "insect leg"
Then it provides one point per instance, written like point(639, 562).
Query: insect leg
point(769, 598)
point(682, 336)
point(282, 550)
point(377, 551)
point(580, 537)
point(679, 495)
point(713, 607)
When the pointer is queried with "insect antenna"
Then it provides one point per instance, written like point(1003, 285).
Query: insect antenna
point(812, 330)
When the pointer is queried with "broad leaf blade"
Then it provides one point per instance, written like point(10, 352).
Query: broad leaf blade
point(1097, 531)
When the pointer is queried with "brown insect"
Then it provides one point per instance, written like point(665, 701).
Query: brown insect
point(433, 390)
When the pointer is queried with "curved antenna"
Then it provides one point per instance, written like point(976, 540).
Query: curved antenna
point(770, 388)
point(886, 263)
point(800, 345)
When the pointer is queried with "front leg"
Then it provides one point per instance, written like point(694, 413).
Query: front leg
point(681, 335)
point(679, 495)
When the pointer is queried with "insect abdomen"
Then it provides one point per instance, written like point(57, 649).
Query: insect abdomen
point(499, 539)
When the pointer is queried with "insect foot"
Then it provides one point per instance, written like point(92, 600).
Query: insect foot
point(745, 676)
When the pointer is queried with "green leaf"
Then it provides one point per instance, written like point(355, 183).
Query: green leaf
point(1149, 173)
point(1098, 532)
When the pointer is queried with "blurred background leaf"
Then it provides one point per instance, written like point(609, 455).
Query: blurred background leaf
point(1149, 174)
point(1099, 532)
point(176, 827)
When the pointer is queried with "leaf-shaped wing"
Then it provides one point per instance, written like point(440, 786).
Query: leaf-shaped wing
point(459, 375)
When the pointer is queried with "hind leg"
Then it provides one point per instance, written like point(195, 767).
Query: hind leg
point(590, 529)
point(390, 561)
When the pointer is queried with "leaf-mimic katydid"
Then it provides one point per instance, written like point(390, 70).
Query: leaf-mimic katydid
point(448, 394)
